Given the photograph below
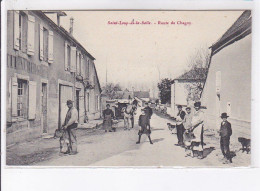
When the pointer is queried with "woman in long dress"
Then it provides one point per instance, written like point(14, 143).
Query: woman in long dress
point(108, 116)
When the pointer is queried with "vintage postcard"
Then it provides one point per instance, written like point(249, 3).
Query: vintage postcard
point(131, 88)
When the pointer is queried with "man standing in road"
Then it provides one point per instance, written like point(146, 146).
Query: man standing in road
point(197, 123)
point(70, 124)
point(179, 125)
point(187, 126)
point(149, 113)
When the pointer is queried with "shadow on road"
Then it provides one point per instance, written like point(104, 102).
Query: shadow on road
point(157, 140)
point(160, 129)
point(207, 151)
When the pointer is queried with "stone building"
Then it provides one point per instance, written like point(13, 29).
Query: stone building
point(46, 66)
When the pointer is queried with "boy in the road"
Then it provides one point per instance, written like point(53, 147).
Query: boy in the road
point(144, 127)
point(225, 134)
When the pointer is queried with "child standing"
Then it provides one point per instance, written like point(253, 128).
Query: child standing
point(144, 127)
point(225, 134)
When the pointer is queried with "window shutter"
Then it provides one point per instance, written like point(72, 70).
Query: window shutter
point(66, 57)
point(73, 59)
point(32, 100)
point(77, 63)
point(30, 32)
point(14, 96)
point(82, 66)
point(16, 30)
point(41, 42)
point(50, 52)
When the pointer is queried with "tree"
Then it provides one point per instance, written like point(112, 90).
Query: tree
point(198, 64)
point(194, 91)
point(200, 58)
point(112, 91)
point(165, 90)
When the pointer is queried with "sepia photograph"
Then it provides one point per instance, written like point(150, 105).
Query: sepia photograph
point(128, 88)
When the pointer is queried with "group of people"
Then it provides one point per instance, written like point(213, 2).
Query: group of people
point(143, 122)
point(190, 129)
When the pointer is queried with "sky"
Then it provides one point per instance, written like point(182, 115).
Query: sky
point(139, 55)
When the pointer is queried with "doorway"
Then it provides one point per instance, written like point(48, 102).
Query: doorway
point(77, 101)
point(65, 93)
point(44, 108)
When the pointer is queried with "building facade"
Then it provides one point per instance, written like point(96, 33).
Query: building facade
point(46, 66)
point(228, 84)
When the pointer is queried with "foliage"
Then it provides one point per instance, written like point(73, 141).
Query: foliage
point(165, 90)
point(198, 63)
point(112, 91)
point(194, 91)
point(200, 58)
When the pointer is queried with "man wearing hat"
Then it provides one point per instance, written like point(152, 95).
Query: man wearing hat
point(70, 124)
point(179, 125)
point(225, 134)
point(197, 123)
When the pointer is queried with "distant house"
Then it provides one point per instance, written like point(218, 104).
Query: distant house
point(180, 95)
point(228, 84)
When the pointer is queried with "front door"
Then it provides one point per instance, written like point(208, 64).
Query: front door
point(65, 93)
point(44, 108)
point(77, 101)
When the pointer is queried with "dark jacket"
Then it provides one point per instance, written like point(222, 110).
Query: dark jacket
point(108, 112)
point(148, 112)
point(142, 120)
point(225, 129)
point(181, 114)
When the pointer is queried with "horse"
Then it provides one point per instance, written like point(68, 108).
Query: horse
point(129, 113)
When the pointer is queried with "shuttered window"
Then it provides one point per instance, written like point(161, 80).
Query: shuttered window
point(41, 42)
point(14, 94)
point(16, 30)
point(77, 63)
point(20, 31)
point(50, 47)
point(19, 97)
point(31, 35)
point(80, 70)
point(32, 100)
point(45, 44)
point(73, 59)
point(66, 56)
point(81, 65)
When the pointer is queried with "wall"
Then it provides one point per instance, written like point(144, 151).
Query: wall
point(178, 96)
point(234, 63)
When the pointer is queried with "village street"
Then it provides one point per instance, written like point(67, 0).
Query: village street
point(97, 148)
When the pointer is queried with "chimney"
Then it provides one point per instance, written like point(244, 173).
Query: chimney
point(71, 25)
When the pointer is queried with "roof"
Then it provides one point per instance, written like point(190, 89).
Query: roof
point(99, 86)
point(241, 28)
point(142, 94)
point(196, 74)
